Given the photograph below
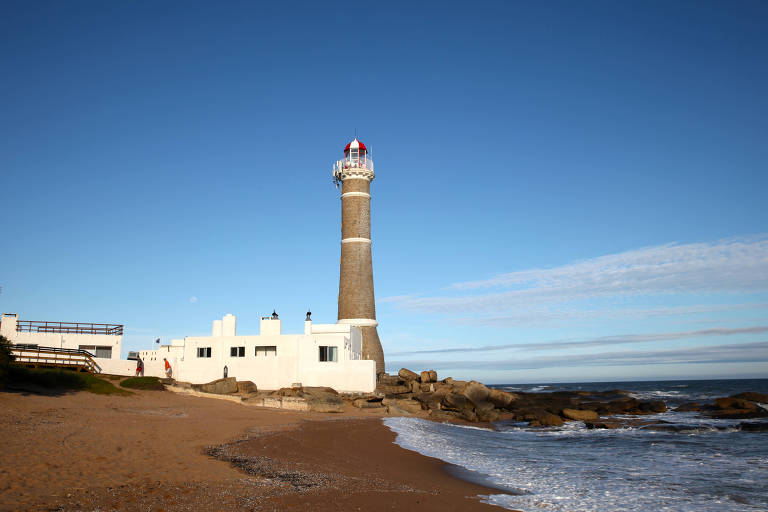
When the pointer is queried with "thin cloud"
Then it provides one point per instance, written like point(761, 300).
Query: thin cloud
point(756, 352)
point(726, 266)
point(597, 342)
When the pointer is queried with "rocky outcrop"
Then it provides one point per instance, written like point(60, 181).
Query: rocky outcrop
point(399, 405)
point(580, 415)
point(407, 374)
point(318, 399)
point(737, 407)
point(218, 387)
point(246, 387)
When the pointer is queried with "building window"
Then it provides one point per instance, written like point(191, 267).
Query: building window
point(203, 351)
point(328, 354)
point(98, 351)
point(265, 351)
point(237, 351)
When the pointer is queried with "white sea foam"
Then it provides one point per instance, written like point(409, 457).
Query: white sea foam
point(576, 469)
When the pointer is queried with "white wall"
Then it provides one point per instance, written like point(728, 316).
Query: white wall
point(296, 359)
point(59, 340)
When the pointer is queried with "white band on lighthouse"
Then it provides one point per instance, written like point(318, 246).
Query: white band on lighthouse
point(355, 194)
point(360, 322)
point(350, 240)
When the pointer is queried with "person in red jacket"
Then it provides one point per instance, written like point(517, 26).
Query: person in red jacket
point(139, 367)
point(168, 371)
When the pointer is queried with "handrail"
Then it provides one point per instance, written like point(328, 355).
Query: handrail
point(68, 327)
point(54, 356)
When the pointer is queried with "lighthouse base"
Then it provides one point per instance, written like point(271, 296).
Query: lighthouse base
point(372, 347)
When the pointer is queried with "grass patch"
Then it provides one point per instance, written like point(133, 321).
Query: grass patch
point(62, 380)
point(150, 383)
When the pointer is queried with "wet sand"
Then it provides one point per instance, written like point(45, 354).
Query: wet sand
point(164, 451)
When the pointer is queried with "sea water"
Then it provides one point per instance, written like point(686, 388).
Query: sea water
point(705, 465)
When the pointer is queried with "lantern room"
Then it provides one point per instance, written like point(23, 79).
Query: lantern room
point(356, 154)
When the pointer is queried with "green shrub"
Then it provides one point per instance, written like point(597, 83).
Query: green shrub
point(63, 380)
point(150, 383)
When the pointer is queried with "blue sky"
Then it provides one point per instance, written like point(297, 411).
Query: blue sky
point(565, 191)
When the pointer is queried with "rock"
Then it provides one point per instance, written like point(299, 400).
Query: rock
point(580, 415)
point(325, 402)
point(432, 376)
point(294, 392)
point(501, 399)
point(443, 415)
point(411, 406)
point(486, 412)
point(688, 407)
point(753, 427)
point(428, 387)
point(429, 401)
point(461, 404)
point(246, 387)
point(389, 380)
point(425, 376)
point(476, 391)
point(362, 403)
point(653, 407)
point(389, 390)
point(415, 386)
point(406, 374)
point(219, 387)
point(753, 397)
point(396, 411)
point(545, 419)
point(734, 403)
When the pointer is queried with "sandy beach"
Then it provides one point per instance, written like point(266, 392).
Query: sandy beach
point(164, 451)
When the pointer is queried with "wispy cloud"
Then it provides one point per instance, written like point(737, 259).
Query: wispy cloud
point(622, 339)
point(756, 352)
point(726, 266)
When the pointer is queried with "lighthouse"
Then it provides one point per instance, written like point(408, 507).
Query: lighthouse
point(356, 302)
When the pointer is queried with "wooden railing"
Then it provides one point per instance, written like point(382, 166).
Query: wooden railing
point(68, 327)
point(32, 355)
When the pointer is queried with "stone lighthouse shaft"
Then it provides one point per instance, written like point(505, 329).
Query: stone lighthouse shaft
point(356, 301)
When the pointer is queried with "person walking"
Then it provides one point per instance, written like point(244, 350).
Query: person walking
point(168, 371)
point(139, 367)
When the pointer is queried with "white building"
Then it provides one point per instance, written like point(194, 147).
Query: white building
point(324, 355)
point(104, 341)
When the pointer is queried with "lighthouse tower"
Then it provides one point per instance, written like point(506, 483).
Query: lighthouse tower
point(356, 302)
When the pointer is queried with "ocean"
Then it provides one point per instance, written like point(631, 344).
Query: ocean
point(705, 465)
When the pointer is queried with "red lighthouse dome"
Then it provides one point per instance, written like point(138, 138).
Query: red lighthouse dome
point(355, 144)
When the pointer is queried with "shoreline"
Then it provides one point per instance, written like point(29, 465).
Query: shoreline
point(79, 451)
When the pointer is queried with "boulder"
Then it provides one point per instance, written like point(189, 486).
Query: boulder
point(429, 401)
point(476, 391)
point(688, 407)
point(425, 377)
point(389, 390)
point(486, 412)
point(246, 387)
point(397, 411)
point(501, 399)
point(362, 403)
point(407, 374)
point(219, 387)
point(432, 376)
point(428, 387)
point(411, 406)
point(415, 386)
point(443, 415)
point(753, 397)
point(753, 427)
point(734, 403)
point(324, 402)
point(545, 419)
point(580, 415)
point(456, 402)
